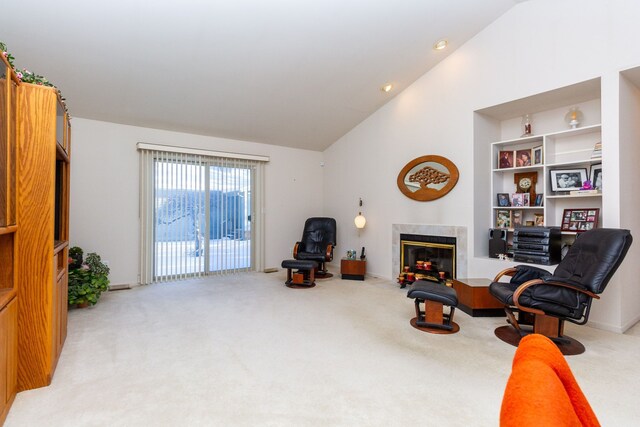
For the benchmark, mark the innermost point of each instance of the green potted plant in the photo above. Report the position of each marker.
(88, 278)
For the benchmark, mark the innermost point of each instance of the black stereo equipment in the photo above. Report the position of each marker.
(497, 242)
(537, 245)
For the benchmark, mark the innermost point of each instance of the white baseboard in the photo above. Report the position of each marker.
(631, 323)
(605, 326)
(612, 328)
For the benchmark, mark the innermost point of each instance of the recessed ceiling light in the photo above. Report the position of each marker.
(387, 87)
(440, 44)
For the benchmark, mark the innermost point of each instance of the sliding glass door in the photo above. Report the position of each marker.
(229, 217)
(202, 216)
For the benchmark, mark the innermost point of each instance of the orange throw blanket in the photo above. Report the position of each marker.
(541, 390)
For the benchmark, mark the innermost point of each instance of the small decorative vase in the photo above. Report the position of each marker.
(526, 125)
(82, 304)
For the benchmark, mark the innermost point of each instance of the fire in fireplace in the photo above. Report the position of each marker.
(427, 257)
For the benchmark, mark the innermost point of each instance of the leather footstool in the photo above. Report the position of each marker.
(304, 277)
(434, 296)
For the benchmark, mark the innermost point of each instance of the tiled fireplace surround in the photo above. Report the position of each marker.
(460, 233)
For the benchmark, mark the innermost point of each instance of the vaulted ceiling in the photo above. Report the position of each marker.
(298, 73)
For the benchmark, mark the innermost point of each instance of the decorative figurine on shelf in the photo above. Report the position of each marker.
(526, 125)
(573, 117)
(502, 257)
(587, 185)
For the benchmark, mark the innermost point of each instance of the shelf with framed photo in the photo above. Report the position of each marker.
(517, 154)
(566, 180)
(580, 220)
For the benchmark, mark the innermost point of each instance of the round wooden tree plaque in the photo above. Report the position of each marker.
(428, 178)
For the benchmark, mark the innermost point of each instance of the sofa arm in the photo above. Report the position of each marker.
(542, 390)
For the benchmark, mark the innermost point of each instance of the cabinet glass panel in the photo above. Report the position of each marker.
(13, 160)
(60, 124)
(4, 144)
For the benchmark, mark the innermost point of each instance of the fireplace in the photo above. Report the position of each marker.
(428, 256)
(440, 235)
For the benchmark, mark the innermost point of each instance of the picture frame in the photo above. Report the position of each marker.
(505, 159)
(504, 200)
(539, 200)
(516, 218)
(580, 220)
(529, 223)
(523, 158)
(538, 219)
(526, 200)
(595, 176)
(503, 219)
(536, 155)
(567, 179)
(517, 199)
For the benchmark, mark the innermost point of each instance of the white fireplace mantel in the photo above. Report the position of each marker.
(460, 233)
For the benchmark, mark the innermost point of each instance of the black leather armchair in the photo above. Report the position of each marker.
(317, 243)
(543, 301)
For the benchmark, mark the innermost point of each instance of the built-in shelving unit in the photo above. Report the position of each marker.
(573, 148)
(498, 129)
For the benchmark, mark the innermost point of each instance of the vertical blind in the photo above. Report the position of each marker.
(200, 211)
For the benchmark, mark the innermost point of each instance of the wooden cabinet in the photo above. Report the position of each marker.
(474, 298)
(43, 213)
(8, 351)
(353, 269)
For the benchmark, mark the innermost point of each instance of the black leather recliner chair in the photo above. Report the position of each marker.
(317, 243)
(543, 301)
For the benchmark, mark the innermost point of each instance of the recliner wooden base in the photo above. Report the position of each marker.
(549, 326)
(567, 345)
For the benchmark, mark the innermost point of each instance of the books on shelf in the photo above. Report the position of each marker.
(597, 151)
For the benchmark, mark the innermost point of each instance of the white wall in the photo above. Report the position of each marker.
(105, 189)
(630, 202)
(537, 46)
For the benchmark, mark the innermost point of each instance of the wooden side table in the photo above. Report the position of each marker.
(353, 269)
(475, 300)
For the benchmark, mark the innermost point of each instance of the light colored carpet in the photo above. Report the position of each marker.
(248, 351)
